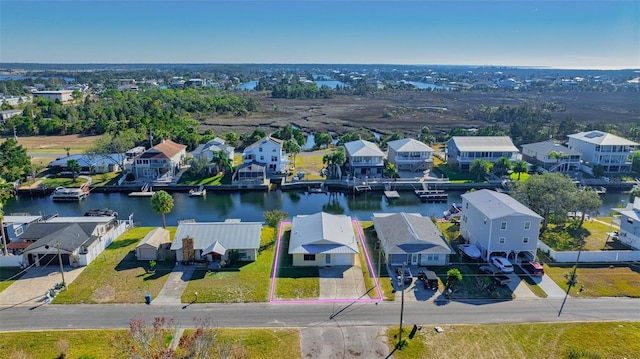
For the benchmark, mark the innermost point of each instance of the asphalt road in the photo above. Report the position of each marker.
(50, 316)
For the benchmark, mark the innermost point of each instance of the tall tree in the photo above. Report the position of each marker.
(586, 201)
(14, 162)
(546, 194)
(6, 192)
(292, 147)
(162, 203)
(520, 167)
(502, 165)
(74, 167)
(115, 144)
(479, 169)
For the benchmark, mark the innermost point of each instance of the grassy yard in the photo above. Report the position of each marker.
(54, 182)
(538, 340)
(84, 344)
(261, 343)
(620, 280)
(218, 179)
(566, 238)
(385, 282)
(310, 163)
(8, 275)
(117, 276)
(295, 282)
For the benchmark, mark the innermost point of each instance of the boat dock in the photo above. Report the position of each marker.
(145, 191)
(64, 194)
(389, 192)
(431, 194)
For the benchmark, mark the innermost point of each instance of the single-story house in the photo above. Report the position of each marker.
(322, 239)
(412, 239)
(155, 240)
(217, 241)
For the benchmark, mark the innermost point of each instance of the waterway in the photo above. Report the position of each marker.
(250, 206)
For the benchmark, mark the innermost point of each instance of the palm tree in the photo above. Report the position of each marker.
(558, 156)
(502, 165)
(480, 169)
(162, 203)
(74, 167)
(520, 167)
(222, 160)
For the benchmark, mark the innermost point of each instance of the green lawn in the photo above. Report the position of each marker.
(116, 276)
(310, 163)
(619, 280)
(53, 182)
(295, 282)
(537, 340)
(261, 343)
(84, 344)
(8, 275)
(566, 238)
(385, 282)
(220, 178)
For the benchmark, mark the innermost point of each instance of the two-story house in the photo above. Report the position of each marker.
(629, 232)
(552, 156)
(211, 151)
(499, 225)
(461, 151)
(613, 153)
(161, 162)
(364, 159)
(410, 155)
(269, 153)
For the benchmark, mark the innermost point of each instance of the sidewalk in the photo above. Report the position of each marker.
(175, 284)
(549, 286)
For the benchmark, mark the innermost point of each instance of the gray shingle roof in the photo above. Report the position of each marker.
(322, 233)
(409, 233)
(497, 205)
(70, 236)
(549, 146)
(231, 235)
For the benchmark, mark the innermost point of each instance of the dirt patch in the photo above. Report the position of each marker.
(104, 294)
(344, 342)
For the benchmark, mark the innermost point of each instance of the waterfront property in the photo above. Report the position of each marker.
(250, 173)
(13, 228)
(364, 159)
(412, 239)
(629, 233)
(211, 150)
(161, 162)
(410, 155)
(89, 164)
(269, 153)
(322, 239)
(157, 240)
(462, 151)
(613, 153)
(499, 225)
(552, 156)
(217, 241)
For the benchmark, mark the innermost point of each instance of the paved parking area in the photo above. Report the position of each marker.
(31, 288)
(172, 290)
(341, 282)
(344, 342)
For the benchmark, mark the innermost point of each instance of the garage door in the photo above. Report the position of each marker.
(343, 259)
(146, 254)
(52, 259)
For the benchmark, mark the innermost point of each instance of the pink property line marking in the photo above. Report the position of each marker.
(300, 301)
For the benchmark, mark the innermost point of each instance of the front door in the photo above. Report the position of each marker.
(327, 259)
(414, 259)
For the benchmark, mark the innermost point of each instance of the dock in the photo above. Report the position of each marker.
(391, 194)
(431, 194)
(145, 191)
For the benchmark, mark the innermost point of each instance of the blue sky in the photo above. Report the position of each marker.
(563, 34)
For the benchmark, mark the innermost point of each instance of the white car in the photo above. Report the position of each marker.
(503, 264)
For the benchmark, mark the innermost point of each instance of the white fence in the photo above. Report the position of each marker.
(10, 261)
(590, 256)
(103, 243)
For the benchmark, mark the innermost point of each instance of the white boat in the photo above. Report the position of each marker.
(70, 194)
(470, 250)
(199, 192)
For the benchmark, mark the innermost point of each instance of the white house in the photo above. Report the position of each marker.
(161, 162)
(629, 233)
(210, 150)
(62, 95)
(613, 153)
(461, 151)
(412, 239)
(542, 155)
(322, 239)
(410, 155)
(7, 114)
(217, 241)
(364, 159)
(268, 152)
(499, 225)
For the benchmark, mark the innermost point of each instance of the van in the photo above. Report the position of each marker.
(534, 268)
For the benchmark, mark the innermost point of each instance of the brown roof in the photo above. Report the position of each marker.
(18, 245)
(169, 148)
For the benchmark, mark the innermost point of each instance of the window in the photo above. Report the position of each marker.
(310, 257)
(467, 205)
(259, 149)
(502, 240)
(525, 239)
(274, 158)
(484, 221)
(261, 158)
(464, 218)
(18, 231)
(629, 220)
(527, 225)
(432, 257)
(503, 226)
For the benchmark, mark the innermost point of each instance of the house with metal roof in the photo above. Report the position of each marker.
(157, 239)
(89, 164)
(499, 225)
(217, 241)
(613, 153)
(629, 232)
(412, 239)
(462, 151)
(410, 155)
(364, 159)
(322, 239)
(552, 156)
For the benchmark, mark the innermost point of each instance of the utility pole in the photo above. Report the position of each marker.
(572, 278)
(401, 306)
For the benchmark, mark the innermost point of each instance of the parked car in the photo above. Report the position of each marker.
(534, 268)
(408, 277)
(429, 278)
(502, 264)
(495, 275)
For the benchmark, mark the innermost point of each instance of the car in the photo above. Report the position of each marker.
(495, 275)
(534, 268)
(502, 264)
(408, 277)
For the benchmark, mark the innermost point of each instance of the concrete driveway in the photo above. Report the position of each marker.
(344, 342)
(341, 282)
(31, 288)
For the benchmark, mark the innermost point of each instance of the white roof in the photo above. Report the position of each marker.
(363, 148)
(484, 143)
(409, 145)
(632, 210)
(602, 138)
(88, 219)
(497, 205)
(20, 219)
(230, 235)
(155, 238)
(322, 233)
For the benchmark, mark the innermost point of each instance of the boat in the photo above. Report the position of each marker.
(453, 211)
(469, 250)
(66, 194)
(198, 192)
(101, 212)
(145, 191)
(318, 189)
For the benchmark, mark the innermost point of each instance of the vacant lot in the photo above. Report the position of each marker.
(539, 340)
(117, 276)
(8, 275)
(602, 280)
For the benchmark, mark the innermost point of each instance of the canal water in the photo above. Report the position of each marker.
(250, 206)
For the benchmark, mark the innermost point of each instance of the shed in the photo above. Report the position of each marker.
(148, 247)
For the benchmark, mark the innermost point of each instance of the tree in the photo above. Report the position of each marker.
(291, 146)
(502, 165)
(453, 275)
(162, 203)
(14, 162)
(67, 149)
(558, 156)
(546, 194)
(74, 167)
(597, 171)
(520, 167)
(390, 170)
(480, 169)
(222, 161)
(635, 192)
(274, 217)
(118, 144)
(322, 139)
(333, 161)
(586, 201)
(6, 192)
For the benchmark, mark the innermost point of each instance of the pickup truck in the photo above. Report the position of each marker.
(495, 275)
